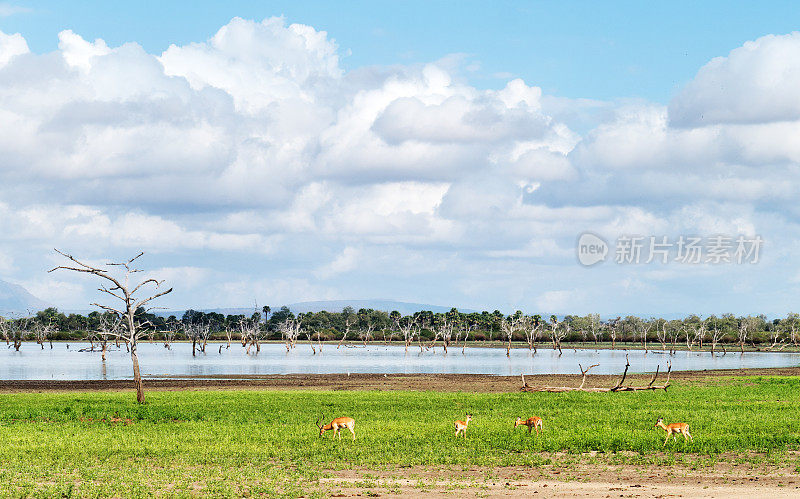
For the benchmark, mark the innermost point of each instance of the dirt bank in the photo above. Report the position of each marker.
(724, 480)
(435, 382)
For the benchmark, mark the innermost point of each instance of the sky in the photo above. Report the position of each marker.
(450, 153)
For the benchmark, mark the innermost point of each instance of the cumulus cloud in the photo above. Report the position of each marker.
(11, 46)
(754, 83)
(254, 153)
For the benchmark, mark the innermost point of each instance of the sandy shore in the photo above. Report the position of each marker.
(435, 382)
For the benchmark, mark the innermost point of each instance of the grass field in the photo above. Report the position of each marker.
(265, 442)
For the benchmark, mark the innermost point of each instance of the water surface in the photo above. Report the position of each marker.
(61, 363)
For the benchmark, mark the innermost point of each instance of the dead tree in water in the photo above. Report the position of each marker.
(444, 329)
(123, 290)
(5, 330)
(109, 327)
(508, 326)
(42, 332)
(532, 327)
(619, 387)
(348, 323)
(290, 332)
(250, 332)
(408, 328)
(17, 330)
(558, 332)
(199, 334)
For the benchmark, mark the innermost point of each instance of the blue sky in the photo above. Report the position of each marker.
(601, 50)
(437, 152)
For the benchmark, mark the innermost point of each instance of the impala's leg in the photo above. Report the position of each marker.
(666, 440)
(353, 431)
(530, 428)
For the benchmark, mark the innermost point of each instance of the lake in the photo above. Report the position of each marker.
(61, 363)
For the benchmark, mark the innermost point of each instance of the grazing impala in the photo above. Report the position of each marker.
(336, 425)
(531, 423)
(674, 428)
(461, 426)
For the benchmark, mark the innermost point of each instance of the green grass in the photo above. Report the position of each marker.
(230, 443)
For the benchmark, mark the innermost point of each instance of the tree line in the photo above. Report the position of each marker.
(424, 328)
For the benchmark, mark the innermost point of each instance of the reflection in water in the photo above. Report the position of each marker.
(61, 363)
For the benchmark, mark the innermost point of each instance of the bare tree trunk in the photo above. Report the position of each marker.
(137, 376)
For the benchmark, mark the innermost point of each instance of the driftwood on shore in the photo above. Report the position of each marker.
(619, 387)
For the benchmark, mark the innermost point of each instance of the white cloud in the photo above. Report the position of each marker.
(252, 163)
(9, 9)
(11, 46)
(754, 83)
(77, 52)
(346, 261)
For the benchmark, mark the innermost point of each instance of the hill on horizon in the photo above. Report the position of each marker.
(16, 300)
(404, 308)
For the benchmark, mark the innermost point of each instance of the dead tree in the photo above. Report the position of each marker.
(170, 332)
(746, 326)
(250, 332)
(716, 335)
(199, 334)
(17, 331)
(408, 328)
(619, 387)
(508, 326)
(467, 328)
(310, 333)
(42, 331)
(643, 327)
(698, 332)
(612, 330)
(775, 337)
(348, 323)
(532, 329)
(108, 328)
(661, 332)
(290, 331)
(559, 331)
(123, 290)
(677, 329)
(365, 332)
(596, 328)
(444, 330)
(5, 330)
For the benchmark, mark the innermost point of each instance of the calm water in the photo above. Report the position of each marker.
(59, 363)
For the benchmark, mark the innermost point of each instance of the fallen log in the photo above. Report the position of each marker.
(619, 387)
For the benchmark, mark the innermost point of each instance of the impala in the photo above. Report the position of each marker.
(336, 425)
(672, 429)
(461, 426)
(531, 423)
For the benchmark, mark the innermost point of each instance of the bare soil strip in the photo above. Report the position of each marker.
(419, 382)
(578, 480)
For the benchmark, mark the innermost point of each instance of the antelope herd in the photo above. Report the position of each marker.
(532, 423)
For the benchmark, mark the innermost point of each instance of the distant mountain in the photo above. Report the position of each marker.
(329, 306)
(16, 300)
(404, 308)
